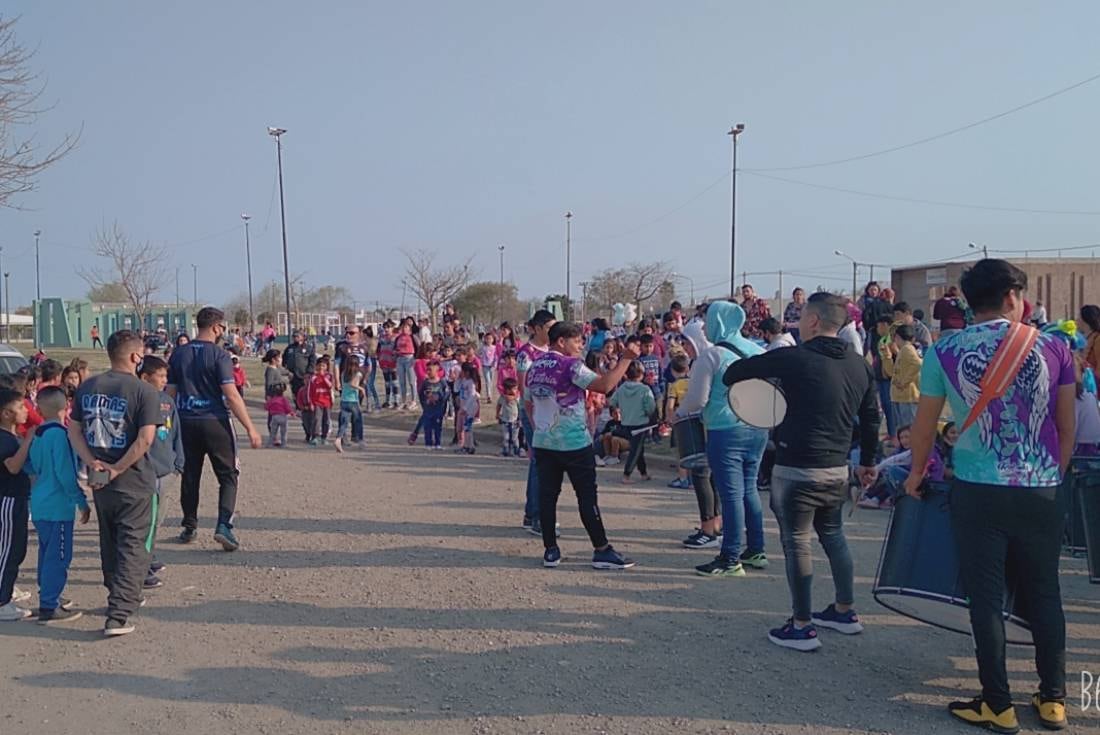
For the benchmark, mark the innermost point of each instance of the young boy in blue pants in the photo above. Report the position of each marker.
(55, 497)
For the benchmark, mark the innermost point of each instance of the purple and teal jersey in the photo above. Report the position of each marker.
(556, 384)
(1015, 440)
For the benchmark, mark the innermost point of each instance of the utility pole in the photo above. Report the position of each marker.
(277, 133)
(195, 285)
(248, 259)
(7, 305)
(501, 249)
(584, 301)
(37, 286)
(568, 252)
(734, 133)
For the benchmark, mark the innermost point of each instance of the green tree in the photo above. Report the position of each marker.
(112, 293)
(487, 303)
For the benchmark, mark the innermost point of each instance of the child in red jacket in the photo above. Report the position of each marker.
(319, 395)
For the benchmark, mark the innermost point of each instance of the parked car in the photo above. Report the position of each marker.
(11, 360)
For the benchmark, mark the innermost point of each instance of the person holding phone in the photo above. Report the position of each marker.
(113, 424)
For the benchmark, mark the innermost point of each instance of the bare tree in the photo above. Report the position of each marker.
(434, 286)
(139, 268)
(21, 159)
(635, 284)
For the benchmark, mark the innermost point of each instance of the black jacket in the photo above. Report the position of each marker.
(827, 386)
(299, 360)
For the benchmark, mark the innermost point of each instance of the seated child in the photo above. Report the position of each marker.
(613, 439)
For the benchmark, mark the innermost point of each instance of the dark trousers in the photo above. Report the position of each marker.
(580, 465)
(13, 542)
(1020, 527)
(710, 505)
(125, 539)
(636, 456)
(213, 438)
(432, 421)
(307, 422)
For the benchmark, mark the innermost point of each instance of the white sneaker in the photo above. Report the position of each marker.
(18, 595)
(600, 462)
(11, 612)
(611, 461)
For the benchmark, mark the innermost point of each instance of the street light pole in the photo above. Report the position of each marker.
(248, 258)
(277, 133)
(734, 133)
(7, 305)
(985, 250)
(195, 285)
(584, 301)
(855, 272)
(568, 253)
(404, 288)
(37, 286)
(501, 249)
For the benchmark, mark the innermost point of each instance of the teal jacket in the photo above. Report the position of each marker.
(636, 402)
(55, 494)
(724, 322)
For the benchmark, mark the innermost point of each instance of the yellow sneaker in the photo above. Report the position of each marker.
(1052, 712)
(977, 712)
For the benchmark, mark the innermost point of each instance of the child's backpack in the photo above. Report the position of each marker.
(301, 399)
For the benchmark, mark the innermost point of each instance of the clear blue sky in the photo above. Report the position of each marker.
(458, 126)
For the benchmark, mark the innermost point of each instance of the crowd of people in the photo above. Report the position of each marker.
(866, 382)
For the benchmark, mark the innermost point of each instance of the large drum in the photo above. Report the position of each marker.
(691, 442)
(757, 402)
(1083, 524)
(918, 572)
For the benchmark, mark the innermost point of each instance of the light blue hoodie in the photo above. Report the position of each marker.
(724, 322)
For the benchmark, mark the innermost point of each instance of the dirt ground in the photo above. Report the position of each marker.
(392, 591)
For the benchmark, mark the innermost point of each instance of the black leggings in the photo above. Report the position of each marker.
(580, 465)
(1018, 527)
(636, 456)
(710, 506)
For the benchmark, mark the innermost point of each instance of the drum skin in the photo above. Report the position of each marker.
(691, 442)
(918, 572)
(1083, 521)
(758, 403)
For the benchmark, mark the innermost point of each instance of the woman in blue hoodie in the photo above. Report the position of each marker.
(734, 449)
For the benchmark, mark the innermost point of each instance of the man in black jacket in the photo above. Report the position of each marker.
(299, 359)
(827, 387)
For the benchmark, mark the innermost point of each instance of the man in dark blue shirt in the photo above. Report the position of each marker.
(200, 378)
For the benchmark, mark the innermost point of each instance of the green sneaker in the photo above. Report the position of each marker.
(754, 559)
(721, 567)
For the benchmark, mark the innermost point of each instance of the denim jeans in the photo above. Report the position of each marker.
(734, 456)
(887, 406)
(372, 389)
(351, 415)
(433, 427)
(531, 507)
(800, 505)
(488, 374)
(904, 414)
(992, 525)
(406, 378)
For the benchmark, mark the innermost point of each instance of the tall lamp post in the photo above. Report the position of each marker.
(37, 286)
(568, 252)
(7, 305)
(983, 248)
(248, 260)
(501, 249)
(584, 301)
(195, 285)
(855, 272)
(734, 133)
(277, 134)
(691, 282)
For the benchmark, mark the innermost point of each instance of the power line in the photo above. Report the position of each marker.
(933, 202)
(931, 138)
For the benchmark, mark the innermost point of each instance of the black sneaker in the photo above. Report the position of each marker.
(58, 615)
(526, 523)
(156, 567)
(151, 582)
(551, 557)
(721, 567)
(187, 535)
(117, 627)
(978, 712)
(700, 540)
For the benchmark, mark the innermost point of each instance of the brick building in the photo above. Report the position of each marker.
(1062, 285)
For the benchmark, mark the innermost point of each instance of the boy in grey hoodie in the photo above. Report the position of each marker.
(166, 454)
